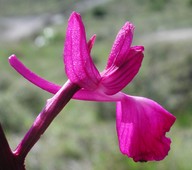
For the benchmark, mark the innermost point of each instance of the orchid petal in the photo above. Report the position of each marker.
(32, 77)
(91, 43)
(116, 78)
(79, 66)
(121, 46)
(141, 128)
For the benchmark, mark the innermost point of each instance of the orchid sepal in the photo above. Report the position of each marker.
(79, 66)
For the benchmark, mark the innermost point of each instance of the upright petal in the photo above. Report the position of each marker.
(79, 66)
(141, 128)
(91, 43)
(121, 46)
(115, 78)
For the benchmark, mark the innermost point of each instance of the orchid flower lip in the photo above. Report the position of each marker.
(141, 118)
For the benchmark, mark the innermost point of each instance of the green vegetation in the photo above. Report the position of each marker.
(35, 7)
(85, 137)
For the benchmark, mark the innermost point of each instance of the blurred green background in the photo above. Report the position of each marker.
(83, 136)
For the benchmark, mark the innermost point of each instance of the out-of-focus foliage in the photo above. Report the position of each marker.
(33, 7)
(83, 136)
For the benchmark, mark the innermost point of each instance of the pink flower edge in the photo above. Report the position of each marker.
(141, 127)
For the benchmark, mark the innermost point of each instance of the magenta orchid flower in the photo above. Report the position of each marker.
(140, 122)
